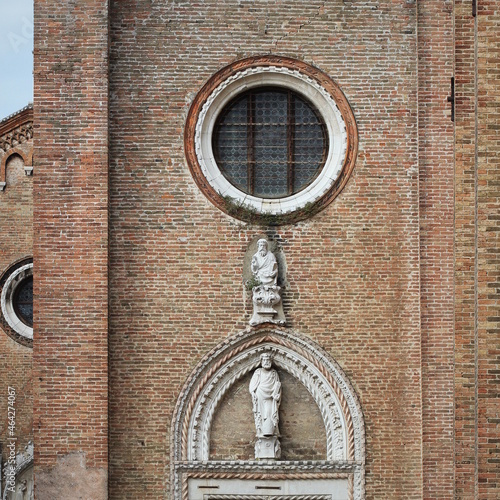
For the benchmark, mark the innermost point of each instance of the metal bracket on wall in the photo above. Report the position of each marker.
(451, 99)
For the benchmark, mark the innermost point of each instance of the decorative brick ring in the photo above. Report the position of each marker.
(262, 72)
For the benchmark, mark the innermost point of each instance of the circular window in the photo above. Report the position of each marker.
(270, 142)
(17, 301)
(270, 138)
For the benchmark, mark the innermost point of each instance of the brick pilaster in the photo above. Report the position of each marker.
(71, 248)
(488, 245)
(436, 186)
(465, 254)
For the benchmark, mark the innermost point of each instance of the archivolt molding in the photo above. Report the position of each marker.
(239, 355)
(198, 445)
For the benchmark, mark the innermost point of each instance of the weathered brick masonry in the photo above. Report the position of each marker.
(435, 70)
(477, 409)
(488, 244)
(176, 261)
(71, 249)
(396, 279)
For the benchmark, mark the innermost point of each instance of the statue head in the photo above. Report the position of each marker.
(266, 360)
(263, 246)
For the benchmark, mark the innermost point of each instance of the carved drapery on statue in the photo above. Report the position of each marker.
(265, 388)
(266, 294)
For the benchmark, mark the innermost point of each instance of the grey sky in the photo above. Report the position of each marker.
(16, 55)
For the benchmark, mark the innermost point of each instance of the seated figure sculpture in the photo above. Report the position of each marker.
(264, 266)
(266, 295)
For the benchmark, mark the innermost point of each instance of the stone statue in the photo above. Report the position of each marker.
(265, 388)
(264, 266)
(266, 294)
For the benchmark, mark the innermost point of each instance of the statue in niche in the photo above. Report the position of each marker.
(264, 266)
(265, 388)
(266, 294)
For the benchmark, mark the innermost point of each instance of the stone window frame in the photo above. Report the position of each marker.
(319, 89)
(9, 282)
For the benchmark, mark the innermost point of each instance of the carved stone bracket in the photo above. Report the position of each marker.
(267, 306)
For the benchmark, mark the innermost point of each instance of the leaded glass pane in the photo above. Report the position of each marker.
(270, 142)
(23, 301)
(270, 149)
(231, 144)
(309, 144)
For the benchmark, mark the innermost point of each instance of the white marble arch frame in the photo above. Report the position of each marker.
(238, 355)
(24, 460)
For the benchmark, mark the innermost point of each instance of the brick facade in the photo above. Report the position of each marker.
(138, 275)
(170, 248)
(16, 245)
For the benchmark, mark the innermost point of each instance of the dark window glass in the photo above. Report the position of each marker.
(270, 142)
(23, 301)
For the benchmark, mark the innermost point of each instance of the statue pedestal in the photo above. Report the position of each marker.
(267, 447)
(267, 307)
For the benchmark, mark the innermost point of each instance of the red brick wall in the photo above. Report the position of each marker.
(370, 278)
(436, 188)
(70, 246)
(477, 410)
(488, 245)
(465, 262)
(176, 261)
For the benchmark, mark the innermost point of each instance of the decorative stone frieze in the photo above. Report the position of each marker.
(16, 128)
(15, 131)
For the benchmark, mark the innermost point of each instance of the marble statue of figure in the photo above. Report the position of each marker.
(264, 266)
(265, 388)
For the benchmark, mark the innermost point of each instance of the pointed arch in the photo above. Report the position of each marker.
(237, 356)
